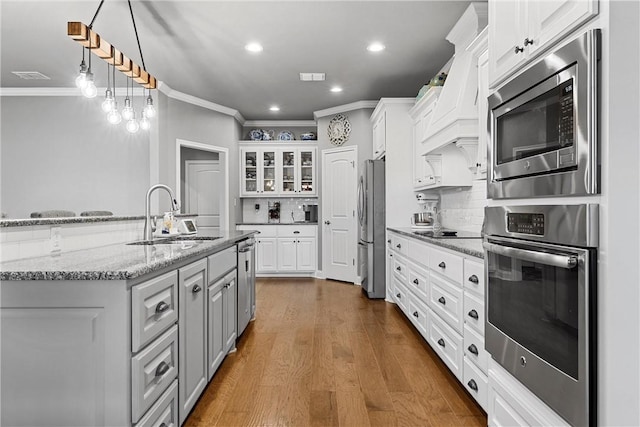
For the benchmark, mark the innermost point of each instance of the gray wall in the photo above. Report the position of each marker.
(187, 153)
(60, 153)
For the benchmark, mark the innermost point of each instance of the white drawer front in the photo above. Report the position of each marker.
(399, 244)
(447, 264)
(446, 301)
(263, 230)
(476, 383)
(297, 230)
(400, 295)
(164, 411)
(474, 312)
(154, 307)
(418, 252)
(152, 371)
(473, 278)
(447, 343)
(418, 281)
(418, 315)
(400, 268)
(220, 263)
(474, 349)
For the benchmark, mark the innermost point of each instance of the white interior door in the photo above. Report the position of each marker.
(203, 188)
(339, 237)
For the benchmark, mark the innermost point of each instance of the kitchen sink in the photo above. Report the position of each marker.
(174, 240)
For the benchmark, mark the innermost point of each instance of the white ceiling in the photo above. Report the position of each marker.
(197, 47)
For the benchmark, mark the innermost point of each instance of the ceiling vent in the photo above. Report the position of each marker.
(31, 75)
(312, 77)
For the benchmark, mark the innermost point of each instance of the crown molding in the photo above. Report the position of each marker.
(194, 100)
(359, 105)
(280, 123)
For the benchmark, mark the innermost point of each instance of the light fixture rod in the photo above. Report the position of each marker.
(96, 14)
(135, 30)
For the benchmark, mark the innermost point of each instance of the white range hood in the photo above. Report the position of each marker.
(455, 117)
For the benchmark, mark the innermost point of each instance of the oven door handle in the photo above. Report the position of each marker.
(562, 261)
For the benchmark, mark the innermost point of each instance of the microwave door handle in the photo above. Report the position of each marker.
(561, 261)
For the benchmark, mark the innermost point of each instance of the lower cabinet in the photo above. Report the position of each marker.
(297, 254)
(266, 255)
(230, 305)
(192, 281)
(165, 411)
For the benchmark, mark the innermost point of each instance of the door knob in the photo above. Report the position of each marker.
(327, 222)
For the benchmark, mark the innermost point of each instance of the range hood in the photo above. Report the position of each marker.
(455, 117)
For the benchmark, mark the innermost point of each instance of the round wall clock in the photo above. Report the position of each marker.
(339, 129)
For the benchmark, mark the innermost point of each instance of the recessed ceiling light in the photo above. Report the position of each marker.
(274, 108)
(336, 89)
(254, 47)
(375, 47)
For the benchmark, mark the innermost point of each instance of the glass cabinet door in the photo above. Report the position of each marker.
(289, 171)
(250, 173)
(269, 172)
(307, 171)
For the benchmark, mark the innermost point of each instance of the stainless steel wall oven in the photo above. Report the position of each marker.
(543, 126)
(541, 302)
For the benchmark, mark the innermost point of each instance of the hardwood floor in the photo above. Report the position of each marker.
(321, 354)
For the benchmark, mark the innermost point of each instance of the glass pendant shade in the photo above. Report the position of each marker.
(127, 111)
(114, 116)
(132, 124)
(90, 90)
(81, 80)
(149, 109)
(145, 124)
(107, 104)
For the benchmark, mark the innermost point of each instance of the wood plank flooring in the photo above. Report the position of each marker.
(321, 354)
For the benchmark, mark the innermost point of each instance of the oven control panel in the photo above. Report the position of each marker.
(526, 223)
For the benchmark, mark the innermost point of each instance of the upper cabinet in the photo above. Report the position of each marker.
(269, 170)
(421, 114)
(479, 48)
(389, 121)
(521, 29)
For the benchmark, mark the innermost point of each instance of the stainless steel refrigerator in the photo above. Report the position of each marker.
(371, 235)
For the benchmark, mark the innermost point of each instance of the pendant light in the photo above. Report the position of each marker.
(107, 104)
(81, 80)
(89, 90)
(114, 116)
(149, 109)
(145, 124)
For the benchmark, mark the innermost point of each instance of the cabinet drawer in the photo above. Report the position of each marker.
(154, 307)
(418, 314)
(400, 294)
(446, 342)
(446, 301)
(474, 312)
(263, 230)
(473, 278)
(221, 262)
(476, 383)
(400, 268)
(152, 371)
(297, 230)
(447, 264)
(399, 244)
(164, 411)
(418, 252)
(474, 349)
(418, 281)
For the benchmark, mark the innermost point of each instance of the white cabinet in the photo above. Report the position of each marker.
(478, 154)
(215, 317)
(297, 254)
(192, 332)
(274, 170)
(421, 114)
(229, 309)
(380, 135)
(520, 29)
(266, 255)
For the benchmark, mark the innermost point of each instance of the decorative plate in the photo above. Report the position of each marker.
(255, 135)
(308, 136)
(339, 129)
(286, 135)
(268, 135)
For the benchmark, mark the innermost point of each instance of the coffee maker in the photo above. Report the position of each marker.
(310, 213)
(274, 212)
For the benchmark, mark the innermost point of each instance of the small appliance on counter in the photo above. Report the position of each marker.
(425, 219)
(274, 212)
(310, 213)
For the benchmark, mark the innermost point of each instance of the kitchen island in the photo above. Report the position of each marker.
(122, 334)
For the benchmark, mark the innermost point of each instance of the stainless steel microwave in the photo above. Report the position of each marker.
(543, 126)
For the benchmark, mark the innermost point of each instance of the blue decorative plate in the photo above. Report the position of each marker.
(308, 136)
(256, 135)
(286, 135)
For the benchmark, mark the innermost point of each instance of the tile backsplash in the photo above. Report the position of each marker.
(463, 209)
(290, 209)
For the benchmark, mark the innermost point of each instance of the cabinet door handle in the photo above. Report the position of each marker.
(398, 268)
(398, 246)
(327, 222)
(442, 301)
(442, 265)
(415, 314)
(441, 343)
(474, 279)
(518, 49)
(473, 314)
(163, 425)
(416, 281)
(389, 241)
(162, 369)
(296, 232)
(528, 41)
(398, 295)
(473, 349)
(196, 289)
(472, 385)
(162, 307)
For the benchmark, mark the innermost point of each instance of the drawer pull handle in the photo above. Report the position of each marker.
(518, 49)
(398, 295)
(474, 279)
(442, 301)
(162, 369)
(441, 342)
(398, 246)
(472, 385)
(473, 314)
(473, 349)
(163, 425)
(162, 307)
(398, 268)
(196, 289)
(415, 314)
(416, 282)
(389, 241)
(442, 265)
(296, 232)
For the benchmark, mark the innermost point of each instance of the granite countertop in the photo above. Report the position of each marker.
(77, 220)
(113, 262)
(278, 223)
(471, 247)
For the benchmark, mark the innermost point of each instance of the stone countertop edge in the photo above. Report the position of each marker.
(277, 223)
(77, 220)
(472, 247)
(112, 262)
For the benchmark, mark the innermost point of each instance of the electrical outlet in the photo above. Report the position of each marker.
(55, 240)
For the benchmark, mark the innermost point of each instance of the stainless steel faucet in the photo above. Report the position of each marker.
(175, 206)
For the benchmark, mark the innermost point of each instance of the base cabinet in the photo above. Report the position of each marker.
(216, 341)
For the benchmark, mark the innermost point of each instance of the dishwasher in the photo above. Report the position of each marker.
(246, 283)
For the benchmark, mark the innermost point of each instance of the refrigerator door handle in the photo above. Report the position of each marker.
(361, 202)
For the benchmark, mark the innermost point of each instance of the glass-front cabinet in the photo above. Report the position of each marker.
(278, 171)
